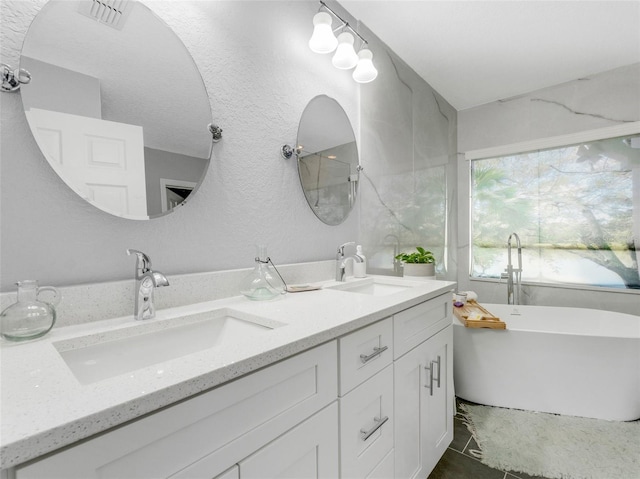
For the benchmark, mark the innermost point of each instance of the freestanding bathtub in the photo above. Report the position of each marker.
(571, 361)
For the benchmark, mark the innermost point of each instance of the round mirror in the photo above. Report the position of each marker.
(328, 160)
(117, 105)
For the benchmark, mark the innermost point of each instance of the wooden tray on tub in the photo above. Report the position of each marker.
(488, 320)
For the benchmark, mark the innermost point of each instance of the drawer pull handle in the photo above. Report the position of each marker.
(429, 368)
(429, 384)
(376, 352)
(379, 422)
(437, 361)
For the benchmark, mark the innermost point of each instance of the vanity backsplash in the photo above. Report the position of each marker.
(97, 301)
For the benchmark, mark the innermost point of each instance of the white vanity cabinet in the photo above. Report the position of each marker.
(204, 436)
(376, 403)
(309, 451)
(366, 400)
(404, 398)
(424, 400)
(366, 425)
(413, 326)
(363, 353)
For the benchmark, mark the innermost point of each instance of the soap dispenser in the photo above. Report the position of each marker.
(360, 268)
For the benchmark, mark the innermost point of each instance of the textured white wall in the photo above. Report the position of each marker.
(598, 101)
(259, 74)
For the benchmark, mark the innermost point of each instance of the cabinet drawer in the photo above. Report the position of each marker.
(385, 469)
(366, 411)
(309, 451)
(414, 325)
(233, 473)
(213, 430)
(365, 352)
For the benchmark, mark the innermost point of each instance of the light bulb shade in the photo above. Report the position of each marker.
(365, 72)
(323, 40)
(345, 57)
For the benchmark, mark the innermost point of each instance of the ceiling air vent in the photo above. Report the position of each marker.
(108, 12)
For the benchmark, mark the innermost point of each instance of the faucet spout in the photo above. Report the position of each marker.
(159, 279)
(147, 281)
(341, 261)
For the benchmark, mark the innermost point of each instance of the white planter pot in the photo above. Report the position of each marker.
(419, 269)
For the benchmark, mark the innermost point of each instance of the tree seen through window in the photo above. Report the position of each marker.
(573, 208)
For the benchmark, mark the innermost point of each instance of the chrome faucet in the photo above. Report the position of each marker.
(147, 281)
(513, 275)
(341, 261)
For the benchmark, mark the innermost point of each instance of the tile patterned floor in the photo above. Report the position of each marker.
(457, 463)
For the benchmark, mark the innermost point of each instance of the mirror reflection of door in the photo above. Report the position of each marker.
(106, 82)
(103, 160)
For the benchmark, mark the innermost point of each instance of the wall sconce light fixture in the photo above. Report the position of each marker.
(365, 71)
(345, 57)
(323, 40)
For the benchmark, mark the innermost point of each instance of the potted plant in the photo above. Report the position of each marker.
(418, 263)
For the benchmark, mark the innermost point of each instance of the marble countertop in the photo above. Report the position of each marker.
(44, 407)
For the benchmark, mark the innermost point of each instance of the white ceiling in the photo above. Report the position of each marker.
(477, 51)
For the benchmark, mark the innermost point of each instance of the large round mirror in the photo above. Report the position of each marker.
(328, 160)
(117, 105)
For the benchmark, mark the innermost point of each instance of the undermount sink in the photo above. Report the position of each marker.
(374, 286)
(100, 356)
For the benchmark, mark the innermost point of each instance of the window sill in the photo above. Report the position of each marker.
(581, 287)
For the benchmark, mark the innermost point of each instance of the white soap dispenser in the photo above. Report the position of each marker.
(360, 268)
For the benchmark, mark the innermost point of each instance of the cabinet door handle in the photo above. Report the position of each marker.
(378, 424)
(429, 384)
(437, 361)
(376, 352)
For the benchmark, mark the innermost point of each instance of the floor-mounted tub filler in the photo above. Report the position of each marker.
(571, 361)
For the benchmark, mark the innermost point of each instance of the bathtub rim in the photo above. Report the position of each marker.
(631, 335)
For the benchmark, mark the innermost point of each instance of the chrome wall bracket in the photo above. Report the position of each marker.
(12, 79)
(287, 152)
(216, 132)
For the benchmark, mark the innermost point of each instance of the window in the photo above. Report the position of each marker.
(575, 208)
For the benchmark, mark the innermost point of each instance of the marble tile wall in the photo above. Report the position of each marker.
(408, 153)
(602, 100)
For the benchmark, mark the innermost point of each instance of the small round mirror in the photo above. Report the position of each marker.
(328, 160)
(116, 105)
